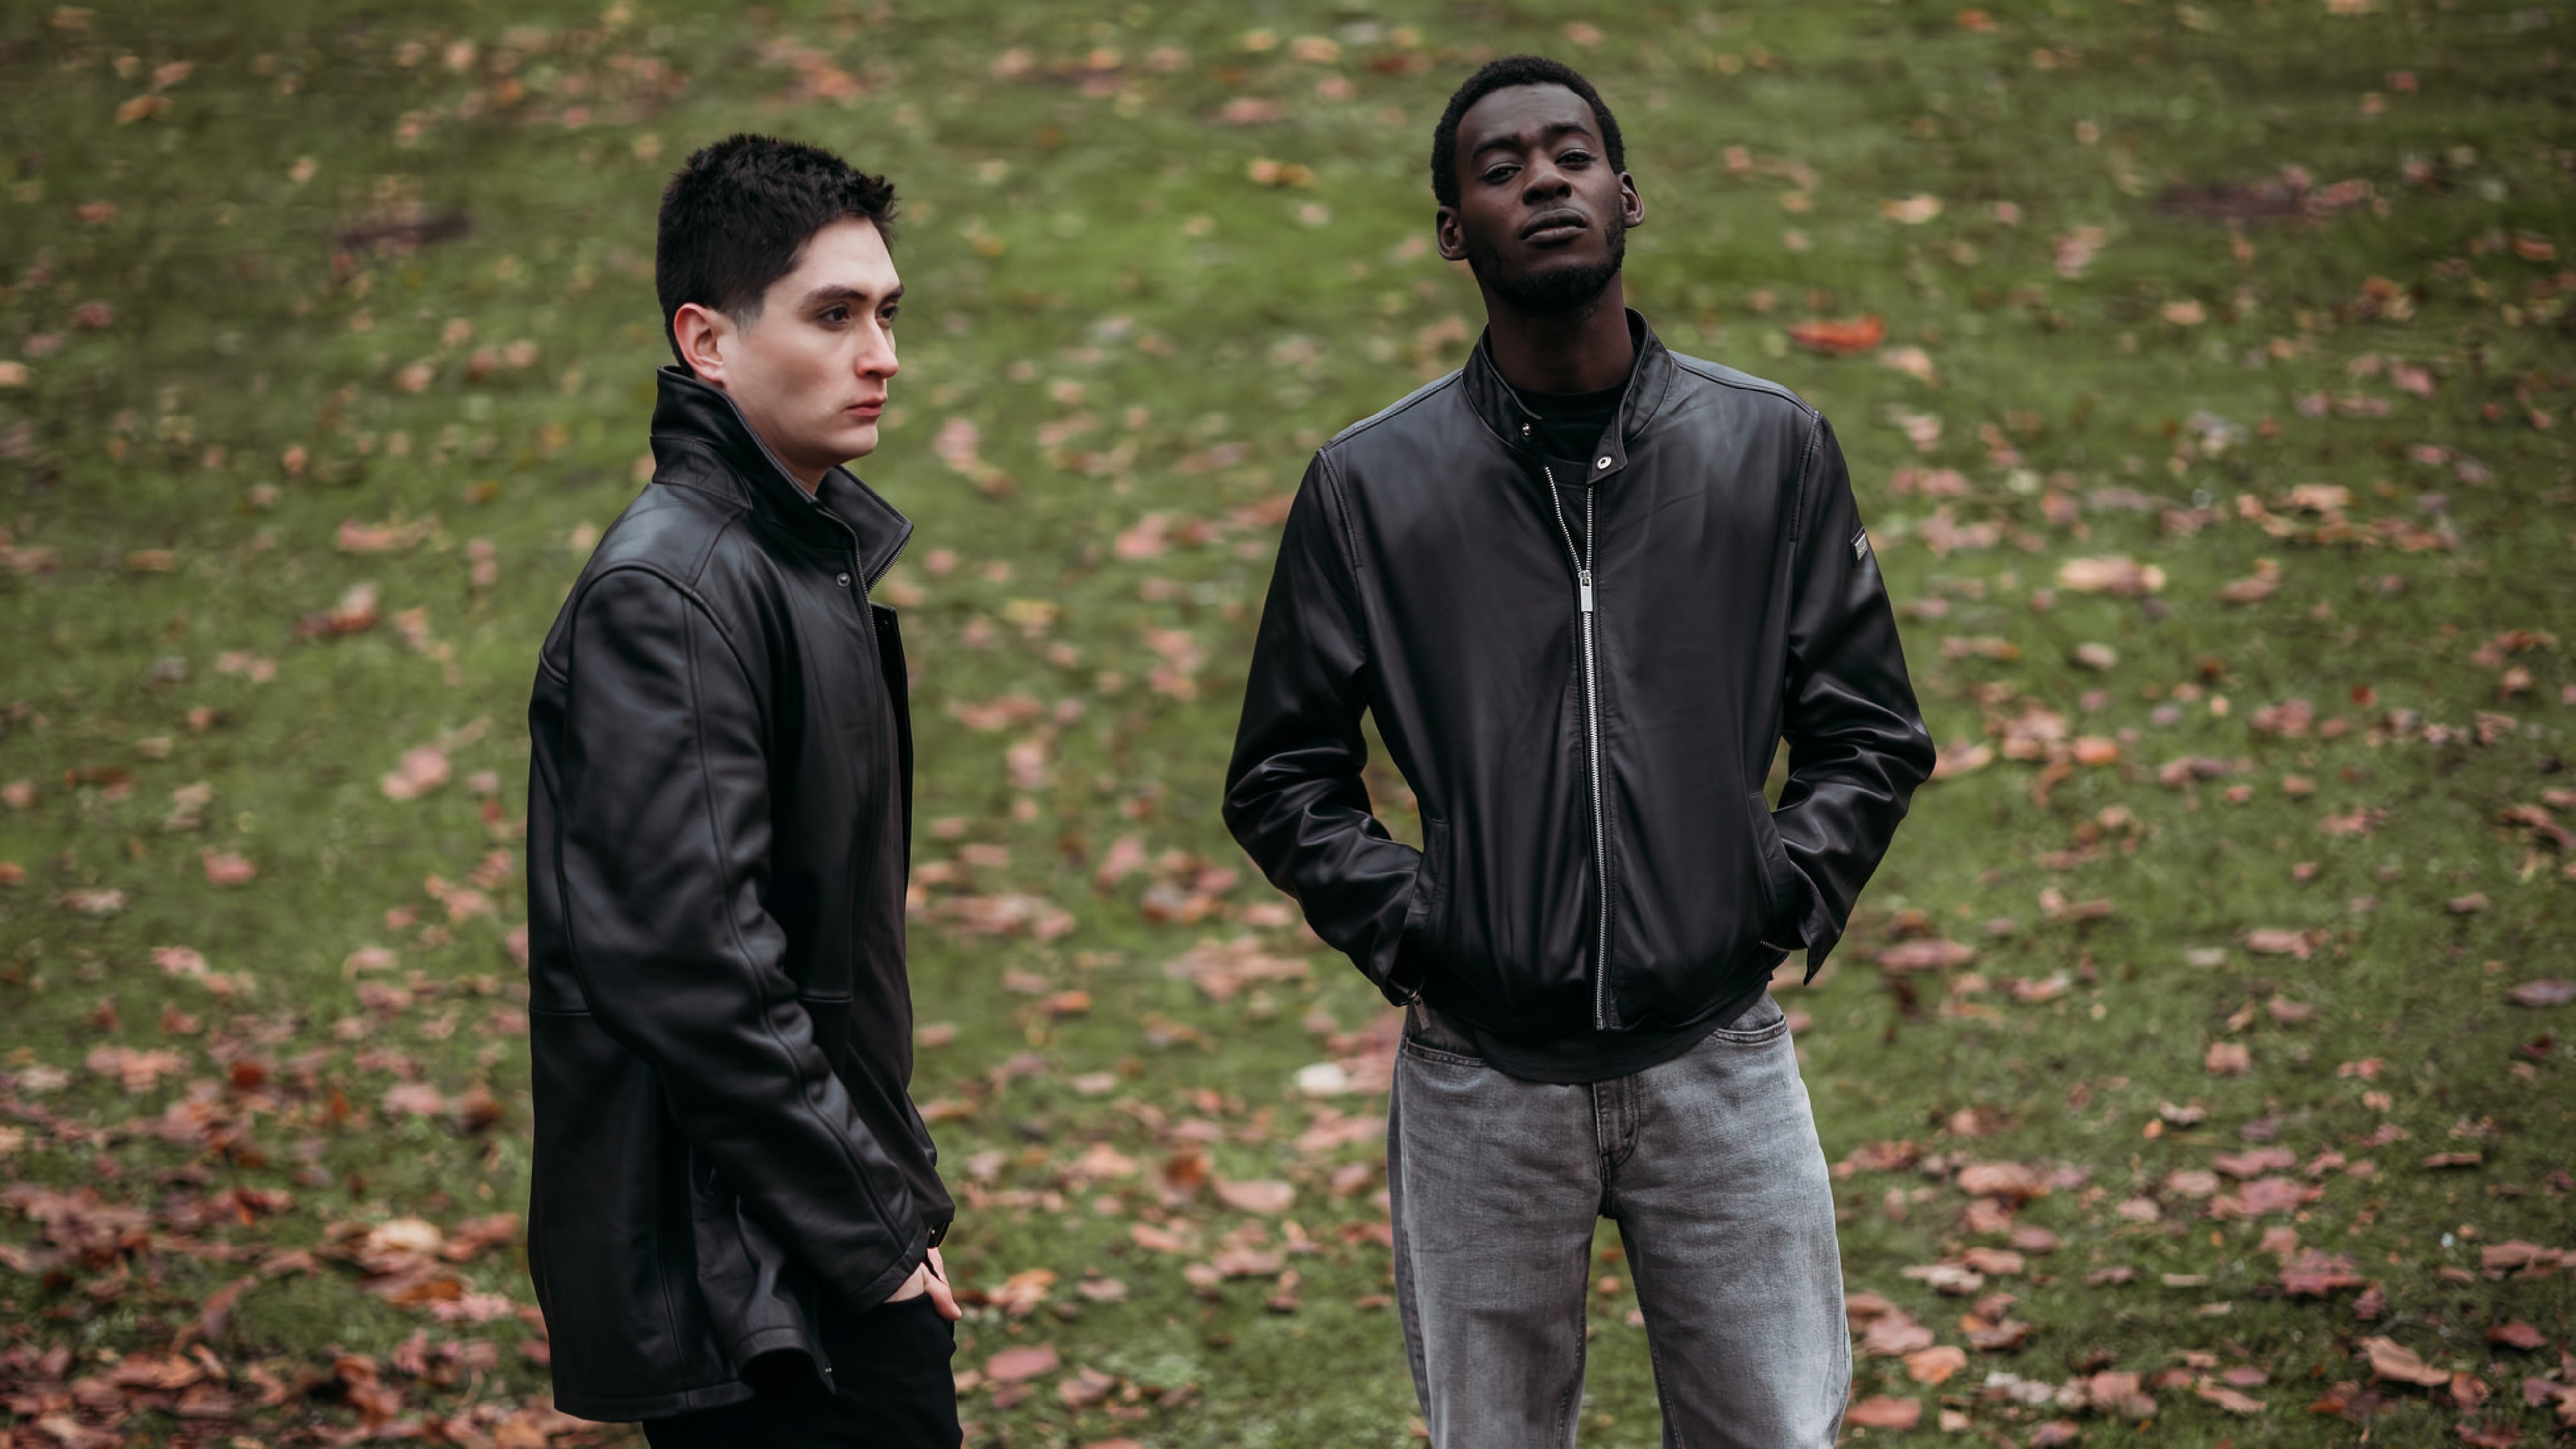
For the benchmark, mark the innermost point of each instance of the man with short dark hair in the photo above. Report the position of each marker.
(736, 1209)
(1586, 586)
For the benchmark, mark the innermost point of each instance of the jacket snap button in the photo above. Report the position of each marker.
(1600, 462)
(845, 581)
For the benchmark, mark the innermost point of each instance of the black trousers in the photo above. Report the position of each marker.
(891, 1389)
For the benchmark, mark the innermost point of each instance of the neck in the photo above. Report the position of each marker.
(1587, 349)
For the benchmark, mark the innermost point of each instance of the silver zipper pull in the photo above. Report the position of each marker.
(1583, 581)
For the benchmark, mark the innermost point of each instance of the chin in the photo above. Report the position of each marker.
(855, 442)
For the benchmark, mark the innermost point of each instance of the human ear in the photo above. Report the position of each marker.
(1632, 207)
(1448, 234)
(704, 335)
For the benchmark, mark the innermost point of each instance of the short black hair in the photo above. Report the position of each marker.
(1495, 75)
(736, 215)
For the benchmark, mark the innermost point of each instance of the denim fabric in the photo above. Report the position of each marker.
(1711, 1167)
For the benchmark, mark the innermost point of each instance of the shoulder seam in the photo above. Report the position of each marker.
(688, 593)
(1392, 410)
(1696, 368)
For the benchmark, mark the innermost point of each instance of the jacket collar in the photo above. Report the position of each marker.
(694, 423)
(1501, 410)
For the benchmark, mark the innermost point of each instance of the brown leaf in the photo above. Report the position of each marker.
(2116, 574)
(2555, 992)
(2516, 1334)
(2391, 1360)
(1925, 955)
(1935, 1365)
(1027, 1361)
(2314, 1274)
(1894, 1334)
(1084, 1387)
(2000, 1338)
(1839, 337)
(1879, 1412)
(1269, 1195)
(2229, 1399)
(1246, 1262)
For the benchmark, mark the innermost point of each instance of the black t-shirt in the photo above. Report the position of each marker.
(1571, 423)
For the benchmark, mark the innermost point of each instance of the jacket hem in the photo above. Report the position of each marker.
(1756, 964)
(628, 1409)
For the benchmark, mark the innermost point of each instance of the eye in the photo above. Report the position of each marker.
(1575, 157)
(836, 315)
(1495, 175)
(886, 318)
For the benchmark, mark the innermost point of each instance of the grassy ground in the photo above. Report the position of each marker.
(326, 338)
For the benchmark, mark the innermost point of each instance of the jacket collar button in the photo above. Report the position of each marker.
(844, 581)
(1600, 462)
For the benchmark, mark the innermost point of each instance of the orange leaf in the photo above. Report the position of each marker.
(1839, 336)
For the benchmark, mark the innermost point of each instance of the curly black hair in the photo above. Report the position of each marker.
(736, 215)
(1495, 75)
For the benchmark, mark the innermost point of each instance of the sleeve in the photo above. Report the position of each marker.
(1857, 746)
(665, 854)
(1293, 794)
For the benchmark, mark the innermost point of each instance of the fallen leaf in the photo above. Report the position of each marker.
(2391, 1360)
(1012, 1365)
(1879, 1412)
(2229, 1399)
(2516, 1334)
(1840, 338)
(1935, 1365)
(1267, 1196)
(2114, 574)
(1925, 955)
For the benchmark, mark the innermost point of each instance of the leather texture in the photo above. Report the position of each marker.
(1423, 577)
(719, 824)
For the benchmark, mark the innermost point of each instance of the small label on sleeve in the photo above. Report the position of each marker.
(1860, 546)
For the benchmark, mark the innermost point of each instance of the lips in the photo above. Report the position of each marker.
(1554, 226)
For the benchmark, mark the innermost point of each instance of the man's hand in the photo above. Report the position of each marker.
(931, 1278)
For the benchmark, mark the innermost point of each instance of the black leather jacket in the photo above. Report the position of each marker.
(1573, 746)
(719, 823)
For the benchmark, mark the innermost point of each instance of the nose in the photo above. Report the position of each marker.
(876, 357)
(1543, 182)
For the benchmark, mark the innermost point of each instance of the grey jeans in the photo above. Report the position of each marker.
(1711, 1167)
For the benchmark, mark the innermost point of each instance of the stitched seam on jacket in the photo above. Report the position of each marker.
(1391, 411)
(1703, 370)
(1806, 467)
(1346, 582)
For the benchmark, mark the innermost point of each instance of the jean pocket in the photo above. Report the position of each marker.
(1764, 1024)
(1414, 1047)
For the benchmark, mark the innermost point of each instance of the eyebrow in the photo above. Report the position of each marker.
(826, 295)
(1561, 128)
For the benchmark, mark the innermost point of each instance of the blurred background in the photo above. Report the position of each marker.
(2196, 1072)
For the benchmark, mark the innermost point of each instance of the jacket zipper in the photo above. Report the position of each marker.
(1591, 738)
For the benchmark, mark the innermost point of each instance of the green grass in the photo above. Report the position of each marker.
(1135, 326)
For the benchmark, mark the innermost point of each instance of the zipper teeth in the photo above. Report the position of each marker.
(1591, 742)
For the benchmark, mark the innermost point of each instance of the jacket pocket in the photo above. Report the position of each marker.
(1430, 889)
(1771, 863)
